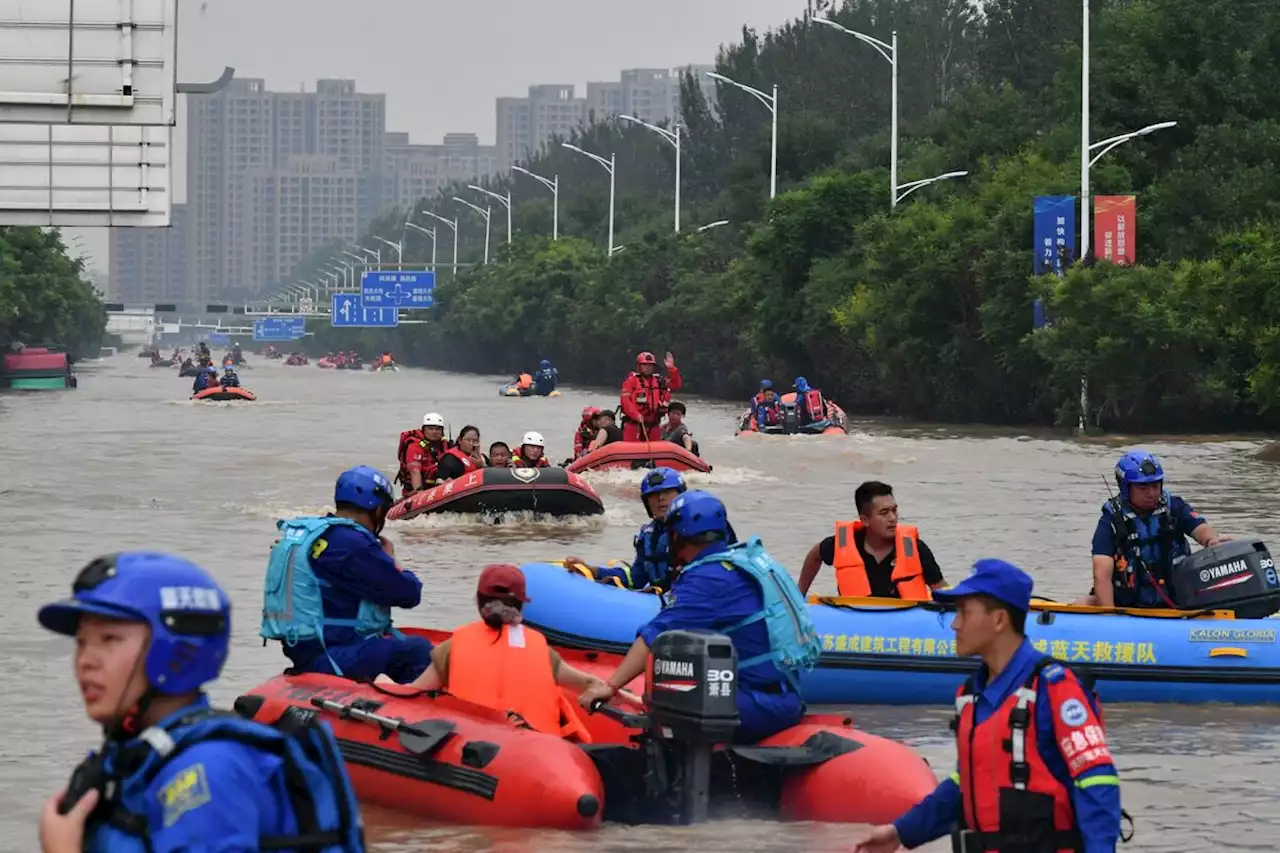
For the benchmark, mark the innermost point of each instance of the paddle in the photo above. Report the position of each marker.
(422, 739)
(631, 721)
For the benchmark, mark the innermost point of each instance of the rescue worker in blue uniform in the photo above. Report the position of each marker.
(1034, 771)
(173, 774)
(230, 379)
(651, 567)
(736, 589)
(331, 583)
(1142, 532)
(766, 406)
(204, 379)
(544, 381)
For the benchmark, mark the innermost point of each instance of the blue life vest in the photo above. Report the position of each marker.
(653, 560)
(326, 816)
(292, 605)
(1146, 548)
(794, 645)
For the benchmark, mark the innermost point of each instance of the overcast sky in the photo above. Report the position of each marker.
(485, 50)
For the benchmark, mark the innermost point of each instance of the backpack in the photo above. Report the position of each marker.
(794, 644)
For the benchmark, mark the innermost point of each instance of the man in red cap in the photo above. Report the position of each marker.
(500, 663)
(645, 396)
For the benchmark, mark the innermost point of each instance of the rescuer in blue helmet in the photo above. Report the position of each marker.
(651, 567)
(545, 379)
(151, 630)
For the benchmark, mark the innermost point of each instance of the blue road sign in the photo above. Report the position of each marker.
(349, 310)
(220, 339)
(279, 328)
(398, 288)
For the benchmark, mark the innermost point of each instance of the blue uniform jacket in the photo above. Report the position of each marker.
(355, 568)
(544, 381)
(1096, 803)
(1185, 521)
(650, 566)
(215, 797)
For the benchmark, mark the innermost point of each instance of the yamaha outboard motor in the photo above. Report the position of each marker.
(1237, 575)
(692, 696)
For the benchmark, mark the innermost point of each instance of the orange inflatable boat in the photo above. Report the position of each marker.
(220, 394)
(639, 454)
(835, 423)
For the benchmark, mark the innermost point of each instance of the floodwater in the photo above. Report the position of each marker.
(126, 461)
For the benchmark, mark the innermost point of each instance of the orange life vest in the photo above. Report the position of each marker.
(511, 672)
(467, 462)
(1004, 781)
(517, 462)
(814, 404)
(908, 571)
(526, 380)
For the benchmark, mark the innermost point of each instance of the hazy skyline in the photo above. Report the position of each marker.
(485, 52)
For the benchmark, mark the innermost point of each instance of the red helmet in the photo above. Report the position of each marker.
(590, 412)
(645, 358)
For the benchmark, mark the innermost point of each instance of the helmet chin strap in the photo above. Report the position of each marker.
(125, 724)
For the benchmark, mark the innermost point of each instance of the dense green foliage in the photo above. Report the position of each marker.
(924, 311)
(44, 298)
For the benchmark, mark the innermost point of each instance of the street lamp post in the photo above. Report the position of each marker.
(554, 186)
(397, 246)
(715, 224)
(890, 53)
(361, 259)
(452, 223)
(672, 136)
(377, 253)
(430, 232)
(1105, 145)
(911, 186)
(610, 166)
(770, 101)
(506, 202)
(487, 213)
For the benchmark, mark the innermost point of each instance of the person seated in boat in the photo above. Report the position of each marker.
(151, 631)
(587, 431)
(1034, 770)
(331, 583)
(676, 430)
(202, 349)
(229, 377)
(811, 406)
(532, 452)
(606, 432)
(206, 378)
(1142, 531)
(237, 354)
(386, 360)
(738, 590)
(645, 396)
(499, 455)
(498, 662)
(651, 567)
(544, 381)
(155, 357)
(420, 452)
(187, 364)
(875, 555)
(463, 458)
(524, 381)
(766, 407)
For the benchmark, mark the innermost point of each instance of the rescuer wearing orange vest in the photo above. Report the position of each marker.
(1034, 769)
(500, 663)
(875, 555)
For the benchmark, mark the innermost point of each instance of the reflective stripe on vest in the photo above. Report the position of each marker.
(851, 569)
(511, 672)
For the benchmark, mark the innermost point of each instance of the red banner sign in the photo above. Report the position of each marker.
(1115, 218)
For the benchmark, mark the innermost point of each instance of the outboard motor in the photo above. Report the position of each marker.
(1237, 575)
(692, 695)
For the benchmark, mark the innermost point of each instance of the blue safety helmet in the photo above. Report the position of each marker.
(698, 512)
(188, 613)
(544, 364)
(1137, 467)
(211, 369)
(766, 384)
(364, 487)
(801, 384)
(660, 480)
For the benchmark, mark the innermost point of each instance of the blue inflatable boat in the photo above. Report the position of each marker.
(888, 652)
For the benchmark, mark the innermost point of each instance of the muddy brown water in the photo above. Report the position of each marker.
(126, 461)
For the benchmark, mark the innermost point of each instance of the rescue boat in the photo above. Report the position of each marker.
(639, 454)
(836, 422)
(882, 651)
(164, 362)
(220, 394)
(552, 491)
(385, 368)
(296, 359)
(327, 363)
(513, 389)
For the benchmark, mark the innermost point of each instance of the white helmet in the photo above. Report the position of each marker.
(432, 419)
(534, 439)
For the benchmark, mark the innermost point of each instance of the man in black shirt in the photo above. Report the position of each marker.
(875, 556)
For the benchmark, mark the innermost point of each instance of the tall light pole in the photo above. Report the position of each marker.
(361, 259)
(890, 53)
(377, 253)
(506, 202)
(487, 213)
(911, 186)
(672, 136)
(554, 186)
(452, 223)
(770, 101)
(1105, 145)
(610, 166)
(710, 225)
(397, 246)
(430, 232)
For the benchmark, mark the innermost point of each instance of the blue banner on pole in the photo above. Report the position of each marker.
(1055, 233)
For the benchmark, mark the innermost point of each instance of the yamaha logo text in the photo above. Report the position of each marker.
(1222, 571)
(678, 668)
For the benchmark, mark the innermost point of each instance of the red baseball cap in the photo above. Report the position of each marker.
(502, 580)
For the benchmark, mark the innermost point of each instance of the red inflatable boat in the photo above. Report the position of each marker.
(639, 454)
(219, 394)
(553, 491)
(836, 422)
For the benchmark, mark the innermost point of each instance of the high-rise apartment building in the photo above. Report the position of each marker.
(413, 172)
(649, 94)
(524, 125)
(254, 156)
(149, 264)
